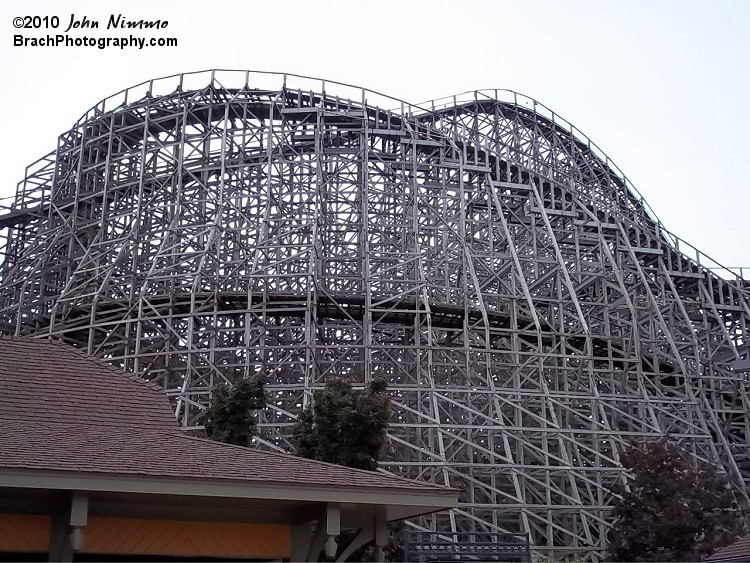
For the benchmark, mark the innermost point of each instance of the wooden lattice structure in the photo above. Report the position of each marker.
(530, 312)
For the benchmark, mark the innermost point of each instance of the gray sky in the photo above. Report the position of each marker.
(658, 85)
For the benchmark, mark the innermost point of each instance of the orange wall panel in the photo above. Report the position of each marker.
(24, 532)
(180, 538)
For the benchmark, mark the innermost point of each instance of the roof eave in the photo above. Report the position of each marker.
(429, 500)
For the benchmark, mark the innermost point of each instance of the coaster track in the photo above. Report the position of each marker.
(530, 312)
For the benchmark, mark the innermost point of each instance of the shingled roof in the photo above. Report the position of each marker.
(63, 410)
(738, 552)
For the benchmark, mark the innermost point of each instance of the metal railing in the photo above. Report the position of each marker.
(227, 79)
(424, 547)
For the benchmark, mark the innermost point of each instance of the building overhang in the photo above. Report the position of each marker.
(151, 491)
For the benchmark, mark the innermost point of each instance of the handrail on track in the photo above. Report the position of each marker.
(520, 100)
(274, 81)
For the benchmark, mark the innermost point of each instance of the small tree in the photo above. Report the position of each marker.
(231, 416)
(345, 427)
(677, 509)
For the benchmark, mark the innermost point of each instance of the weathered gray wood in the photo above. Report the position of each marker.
(530, 313)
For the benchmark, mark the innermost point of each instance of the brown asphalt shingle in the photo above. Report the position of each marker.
(63, 410)
(737, 552)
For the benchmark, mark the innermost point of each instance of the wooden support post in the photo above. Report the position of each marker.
(67, 532)
(333, 528)
(380, 525)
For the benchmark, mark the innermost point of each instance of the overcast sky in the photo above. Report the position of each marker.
(660, 86)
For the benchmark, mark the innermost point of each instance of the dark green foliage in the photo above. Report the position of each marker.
(678, 509)
(345, 427)
(230, 418)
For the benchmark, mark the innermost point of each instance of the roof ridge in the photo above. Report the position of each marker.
(121, 372)
(59, 343)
